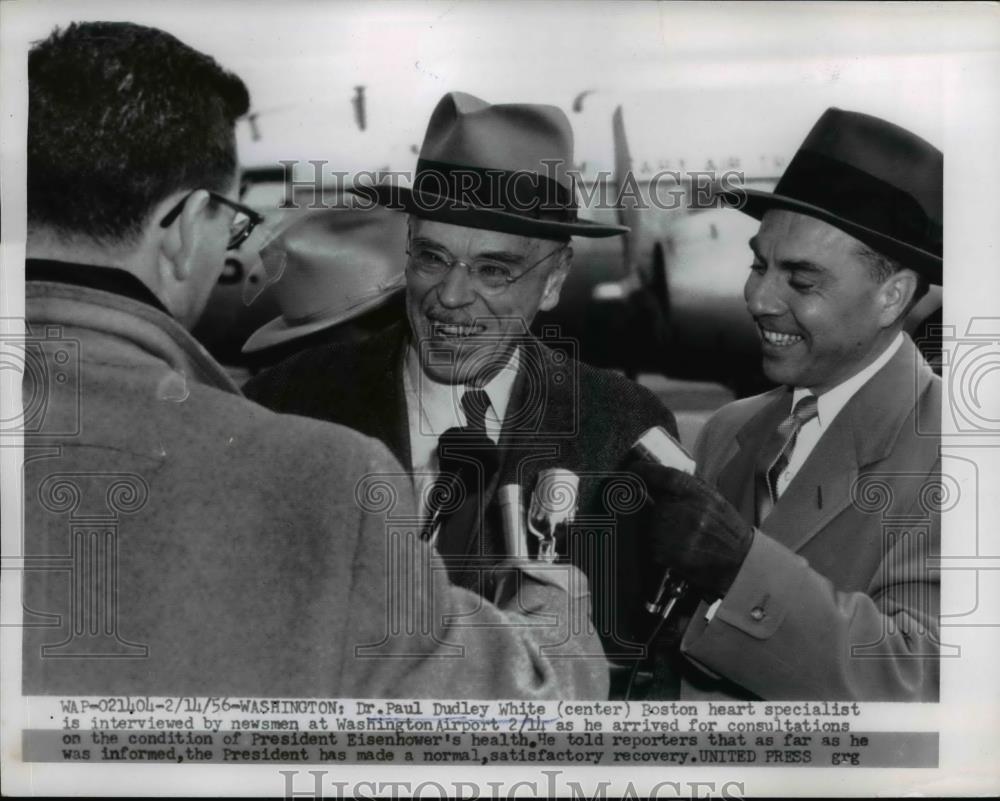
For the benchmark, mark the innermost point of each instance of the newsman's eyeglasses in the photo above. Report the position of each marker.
(244, 221)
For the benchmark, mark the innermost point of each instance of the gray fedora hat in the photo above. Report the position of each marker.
(500, 167)
(339, 263)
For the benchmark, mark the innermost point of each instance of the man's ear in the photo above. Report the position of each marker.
(895, 295)
(181, 238)
(555, 279)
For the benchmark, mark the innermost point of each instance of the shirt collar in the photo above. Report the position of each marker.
(829, 404)
(434, 395)
(501, 385)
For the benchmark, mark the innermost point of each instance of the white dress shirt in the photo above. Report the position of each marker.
(828, 406)
(432, 408)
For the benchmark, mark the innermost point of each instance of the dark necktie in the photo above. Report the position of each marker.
(777, 452)
(470, 455)
(475, 404)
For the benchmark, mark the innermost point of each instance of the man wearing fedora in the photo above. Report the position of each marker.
(178, 538)
(462, 388)
(809, 538)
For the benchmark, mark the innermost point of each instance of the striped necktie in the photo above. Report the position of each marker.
(781, 445)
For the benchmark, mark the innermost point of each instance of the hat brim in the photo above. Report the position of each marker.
(756, 204)
(439, 208)
(279, 331)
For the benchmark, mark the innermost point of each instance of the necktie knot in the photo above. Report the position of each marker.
(805, 410)
(777, 453)
(475, 403)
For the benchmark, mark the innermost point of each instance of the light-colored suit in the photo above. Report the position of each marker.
(835, 599)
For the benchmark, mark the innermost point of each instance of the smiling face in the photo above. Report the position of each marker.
(462, 332)
(821, 315)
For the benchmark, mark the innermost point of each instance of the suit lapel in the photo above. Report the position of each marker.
(536, 415)
(736, 480)
(398, 422)
(820, 490)
(384, 399)
(863, 433)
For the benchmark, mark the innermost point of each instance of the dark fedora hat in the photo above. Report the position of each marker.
(874, 180)
(500, 167)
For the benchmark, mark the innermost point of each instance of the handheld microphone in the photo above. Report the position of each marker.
(512, 518)
(658, 447)
(443, 497)
(553, 508)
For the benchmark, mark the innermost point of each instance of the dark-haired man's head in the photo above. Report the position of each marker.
(124, 123)
(848, 242)
(825, 303)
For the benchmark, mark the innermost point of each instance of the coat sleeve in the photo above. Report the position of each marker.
(414, 634)
(797, 636)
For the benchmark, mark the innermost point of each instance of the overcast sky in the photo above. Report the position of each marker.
(700, 81)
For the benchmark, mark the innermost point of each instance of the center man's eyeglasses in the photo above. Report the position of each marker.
(490, 276)
(244, 221)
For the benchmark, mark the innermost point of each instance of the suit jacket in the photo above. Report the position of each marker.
(182, 540)
(562, 413)
(835, 599)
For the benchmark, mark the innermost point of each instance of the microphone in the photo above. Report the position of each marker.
(512, 517)
(443, 497)
(658, 447)
(553, 508)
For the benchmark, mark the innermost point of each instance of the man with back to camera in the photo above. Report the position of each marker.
(240, 553)
(805, 590)
(491, 214)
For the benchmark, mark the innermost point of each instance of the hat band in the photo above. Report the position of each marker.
(438, 185)
(859, 197)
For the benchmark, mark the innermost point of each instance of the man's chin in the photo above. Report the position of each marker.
(780, 371)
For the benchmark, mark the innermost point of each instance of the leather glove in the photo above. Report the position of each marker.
(459, 451)
(693, 530)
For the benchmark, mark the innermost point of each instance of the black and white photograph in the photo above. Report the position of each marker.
(500, 399)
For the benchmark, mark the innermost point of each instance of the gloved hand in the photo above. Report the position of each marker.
(693, 530)
(471, 455)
